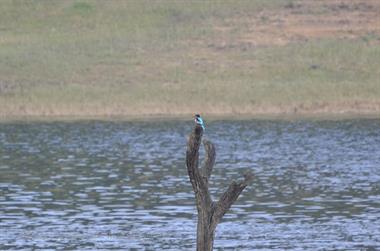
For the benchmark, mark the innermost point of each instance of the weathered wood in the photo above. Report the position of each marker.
(209, 161)
(209, 213)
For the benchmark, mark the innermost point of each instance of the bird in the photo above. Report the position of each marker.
(198, 120)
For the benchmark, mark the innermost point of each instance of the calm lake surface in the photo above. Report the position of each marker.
(123, 185)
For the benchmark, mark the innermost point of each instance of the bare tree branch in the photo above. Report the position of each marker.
(209, 161)
(200, 185)
(228, 198)
(209, 212)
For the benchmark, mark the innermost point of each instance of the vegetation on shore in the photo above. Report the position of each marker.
(102, 58)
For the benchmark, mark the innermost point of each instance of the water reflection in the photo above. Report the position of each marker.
(123, 185)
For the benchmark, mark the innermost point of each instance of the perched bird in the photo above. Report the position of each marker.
(198, 119)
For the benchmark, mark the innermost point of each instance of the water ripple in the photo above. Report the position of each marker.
(117, 185)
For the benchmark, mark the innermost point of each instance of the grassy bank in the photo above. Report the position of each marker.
(96, 58)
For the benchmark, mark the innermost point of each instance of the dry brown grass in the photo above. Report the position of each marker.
(96, 58)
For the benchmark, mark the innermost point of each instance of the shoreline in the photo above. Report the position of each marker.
(331, 116)
(244, 60)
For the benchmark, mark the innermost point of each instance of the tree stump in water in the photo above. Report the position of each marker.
(209, 212)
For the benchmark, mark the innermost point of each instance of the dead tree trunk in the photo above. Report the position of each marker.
(209, 212)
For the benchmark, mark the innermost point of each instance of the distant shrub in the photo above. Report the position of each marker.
(81, 8)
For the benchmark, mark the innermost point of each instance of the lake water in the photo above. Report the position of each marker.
(123, 185)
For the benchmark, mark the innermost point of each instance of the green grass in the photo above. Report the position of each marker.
(162, 57)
